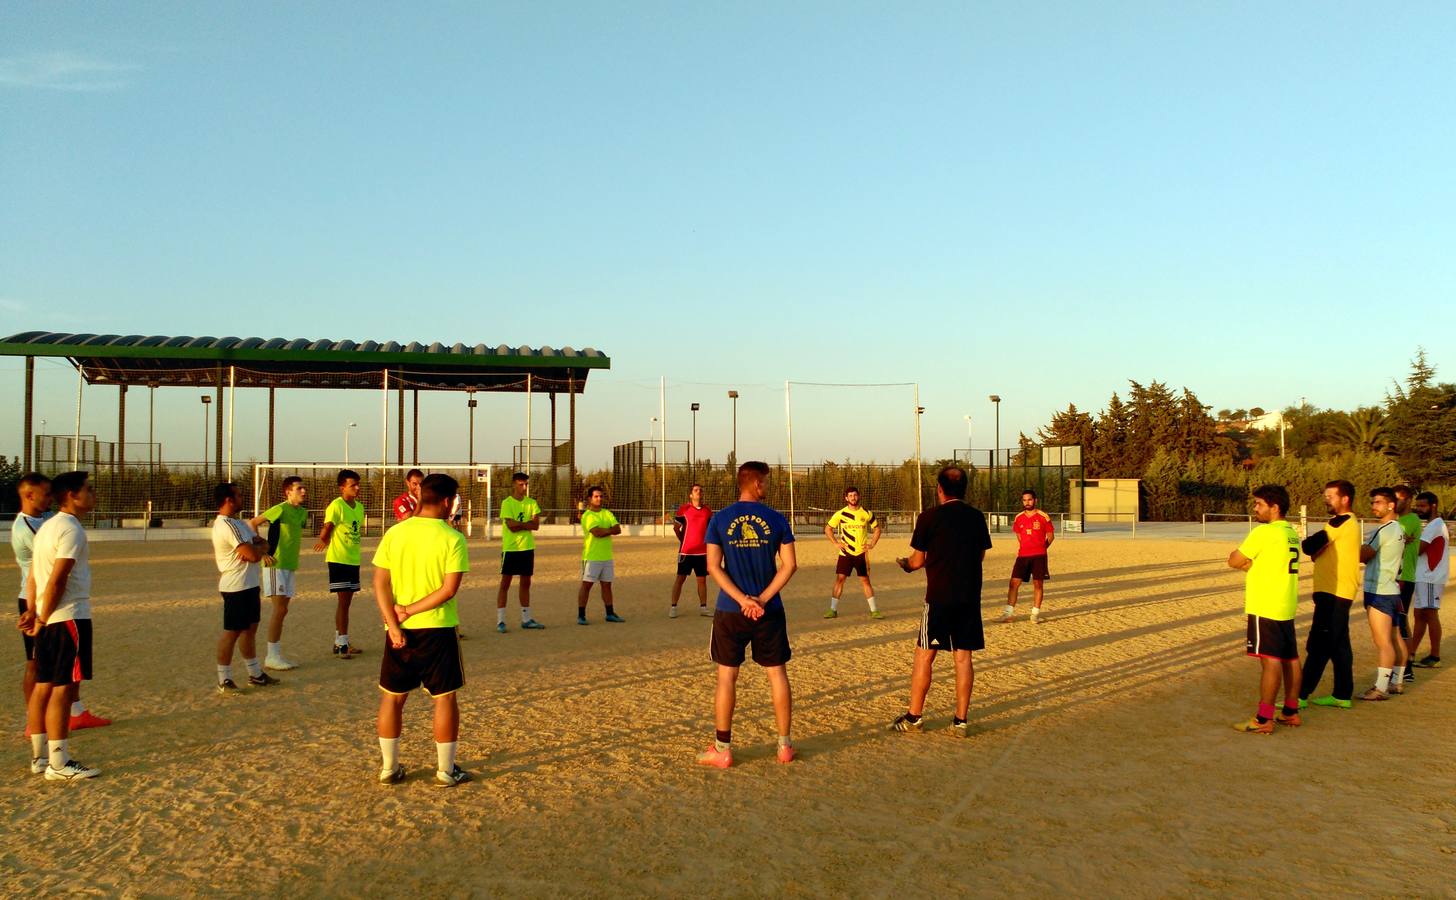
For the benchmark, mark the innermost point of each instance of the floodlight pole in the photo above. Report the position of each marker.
(207, 405)
(662, 460)
(526, 463)
(470, 406)
(693, 445)
(995, 399)
(232, 415)
(346, 441)
(76, 445)
(733, 395)
(919, 475)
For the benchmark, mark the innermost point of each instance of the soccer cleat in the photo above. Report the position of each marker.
(960, 729)
(1293, 721)
(1254, 726)
(1396, 688)
(279, 664)
(906, 725)
(613, 617)
(1303, 703)
(1375, 694)
(718, 759)
(1429, 662)
(228, 687)
(75, 770)
(451, 778)
(832, 614)
(500, 627)
(1005, 617)
(876, 614)
(581, 620)
(705, 611)
(392, 776)
(672, 612)
(262, 679)
(346, 651)
(38, 765)
(1332, 700)
(532, 625)
(88, 719)
(786, 753)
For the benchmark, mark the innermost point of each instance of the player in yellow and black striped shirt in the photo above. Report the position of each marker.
(855, 531)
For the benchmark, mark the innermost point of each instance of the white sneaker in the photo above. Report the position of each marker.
(279, 664)
(1005, 617)
(74, 770)
(38, 765)
(672, 612)
(705, 611)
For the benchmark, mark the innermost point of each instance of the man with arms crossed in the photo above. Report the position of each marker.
(1034, 534)
(950, 544)
(417, 571)
(237, 552)
(1335, 550)
(1381, 553)
(60, 623)
(1410, 527)
(520, 518)
(597, 527)
(691, 527)
(1432, 569)
(744, 540)
(343, 523)
(34, 490)
(406, 504)
(1270, 554)
(855, 531)
(286, 522)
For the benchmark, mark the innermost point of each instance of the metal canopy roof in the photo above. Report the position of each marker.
(303, 363)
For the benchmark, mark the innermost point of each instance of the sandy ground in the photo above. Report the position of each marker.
(1102, 759)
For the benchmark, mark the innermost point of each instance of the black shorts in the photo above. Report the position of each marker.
(733, 631)
(1030, 568)
(343, 577)
(1402, 615)
(241, 610)
(859, 565)
(1270, 638)
(518, 562)
(430, 658)
(951, 626)
(63, 652)
(692, 564)
(28, 640)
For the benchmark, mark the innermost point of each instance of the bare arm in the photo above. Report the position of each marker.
(323, 539)
(829, 533)
(384, 599)
(1239, 561)
(27, 615)
(55, 589)
(874, 538)
(251, 552)
(788, 565)
(447, 589)
(1367, 553)
(915, 561)
(725, 583)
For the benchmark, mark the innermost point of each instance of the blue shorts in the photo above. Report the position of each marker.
(1386, 603)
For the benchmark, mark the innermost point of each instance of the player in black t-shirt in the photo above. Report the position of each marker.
(950, 544)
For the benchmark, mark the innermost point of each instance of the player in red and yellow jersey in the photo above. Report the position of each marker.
(1034, 534)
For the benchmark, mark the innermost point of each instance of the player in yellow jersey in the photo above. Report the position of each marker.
(855, 531)
(1270, 554)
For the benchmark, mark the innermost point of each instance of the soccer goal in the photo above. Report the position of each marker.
(378, 486)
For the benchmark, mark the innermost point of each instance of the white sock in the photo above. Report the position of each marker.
(275, 651)
(784, 741)
(834, 603)
(59, 755)
(389, 749)
(1397, 675)
(1382, 679)
(1035, 611)
(500, 615)
(721, 746)
(224, 673)
(1009, 611)
(525, 614)
(341, 640)
(871, 602)
(77, 707)
(254, 669)
(37, 745)
(445, 756)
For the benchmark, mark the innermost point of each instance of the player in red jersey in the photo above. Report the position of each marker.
(691, 527)
(1034, 534)
(406, 504)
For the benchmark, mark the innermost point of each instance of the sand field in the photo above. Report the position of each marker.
(1101, 761)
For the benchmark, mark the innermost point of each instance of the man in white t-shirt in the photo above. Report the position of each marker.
(237, 551)
(1433, 567)
(60, 623)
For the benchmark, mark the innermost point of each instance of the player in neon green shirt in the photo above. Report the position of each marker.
(1270, 554)
(520, 517)
(286, 522)
(1410, 528)
(343, 525)
(418, 568)
(598, 525)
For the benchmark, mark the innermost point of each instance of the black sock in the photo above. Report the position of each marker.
(581, 612)
(724, 736)
(911, 718)
(610, 611)
(1260, 719)
(957, 721)
(1290, 710)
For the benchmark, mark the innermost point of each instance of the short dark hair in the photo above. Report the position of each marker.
(752, 471)
(952, 481)
(695, 484)
(412, 473)
(1429, 497)
(1025, 491)
(851, 490)
(1387, 493)
(1342, 487)
(290, 481)
(438, 487)
(68, 483)
(30, 479)
(346, 474)
(520, 476)
(593, 489)
(223, 492)
(1274, 495)
(1404, 489)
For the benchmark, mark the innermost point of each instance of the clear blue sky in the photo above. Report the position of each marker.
(1040, 201)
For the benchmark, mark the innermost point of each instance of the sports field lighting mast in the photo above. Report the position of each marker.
(693, 447)
(996, 448)
(970, 445)
(206, 405)
(733, 395)
(346, 440)
(470, 404)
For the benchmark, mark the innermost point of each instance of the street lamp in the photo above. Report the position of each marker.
(970, 444)
(206, 405)
(733, 395)
(693, 447)
(996, 448)
(470, 442)
(346, 441)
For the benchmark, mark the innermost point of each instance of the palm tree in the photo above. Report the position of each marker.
(1364, 429)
